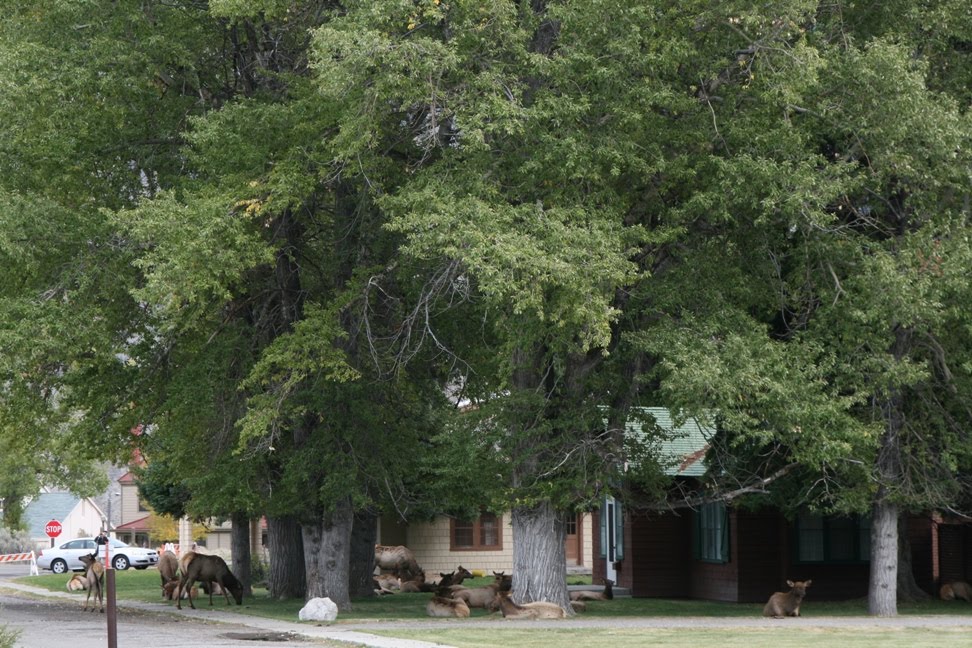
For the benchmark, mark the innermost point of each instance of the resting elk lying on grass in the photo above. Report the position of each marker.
(77, 583)
(442, 606)
(535, 610)
(784, 604)
(478, 597)
(955, 590)
(606, 595)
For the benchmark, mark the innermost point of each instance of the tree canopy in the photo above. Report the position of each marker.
(287, 237)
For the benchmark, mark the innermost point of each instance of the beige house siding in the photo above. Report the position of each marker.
(129, 504)
(429, 541)
(430, 544)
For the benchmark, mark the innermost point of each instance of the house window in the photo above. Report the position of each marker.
(481, 534)
(712, 533)
(845, 539)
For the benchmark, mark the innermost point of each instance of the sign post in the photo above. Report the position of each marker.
(109, 591)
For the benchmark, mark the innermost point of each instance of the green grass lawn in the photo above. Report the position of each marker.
(144, 586)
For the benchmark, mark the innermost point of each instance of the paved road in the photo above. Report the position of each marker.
(49, 623)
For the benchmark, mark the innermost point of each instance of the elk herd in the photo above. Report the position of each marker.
(400, 573)
(178, 575)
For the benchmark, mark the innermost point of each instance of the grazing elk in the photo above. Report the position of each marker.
(441, 606)
(956, 590)
(208, 569)
(399, 560)
(94, 573)
(606, 595)
(168, 566)
(784, 604)
(535, 610)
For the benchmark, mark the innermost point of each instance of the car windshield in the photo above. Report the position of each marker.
(117, 543)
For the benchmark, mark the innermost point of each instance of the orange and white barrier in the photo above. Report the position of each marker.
(22, 557)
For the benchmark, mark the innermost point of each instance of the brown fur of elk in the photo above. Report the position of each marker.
(956, 590)
(94, 574)
(168, 566)
(417, 584)
(208, 569)
(606, 595)
(457, 576)
(441, 606)
(478, 597)
(171, 591)
(784, 604)
(397, 559)
(77, 583)
(535, 610)
(505, 582)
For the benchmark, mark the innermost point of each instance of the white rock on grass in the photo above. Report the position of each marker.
(318, 609)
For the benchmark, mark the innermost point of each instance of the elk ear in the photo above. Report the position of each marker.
(790, 583)
(807, 584)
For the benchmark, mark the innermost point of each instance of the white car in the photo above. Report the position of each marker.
(67, 557)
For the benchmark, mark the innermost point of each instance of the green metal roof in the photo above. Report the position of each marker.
(681, 448)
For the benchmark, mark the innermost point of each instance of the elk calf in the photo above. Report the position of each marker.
(171, 591)
(956, 590)
(784, 604)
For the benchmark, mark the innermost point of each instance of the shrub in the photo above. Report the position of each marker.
(14, 541)
(8, 637)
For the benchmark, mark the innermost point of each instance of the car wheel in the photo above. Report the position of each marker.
(120, 563)
(59, 566)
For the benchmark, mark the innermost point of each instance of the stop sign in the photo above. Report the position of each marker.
(53, 529)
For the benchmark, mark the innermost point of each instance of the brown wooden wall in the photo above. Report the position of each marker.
(659, 556)
(659, 562)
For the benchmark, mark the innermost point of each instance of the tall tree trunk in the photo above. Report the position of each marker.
(882, 594)
(286, 575)
(240, 548)
(327, 554)
(364, 535)
(539, 561)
